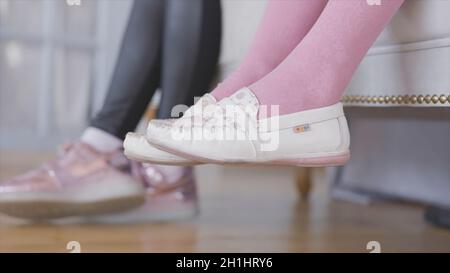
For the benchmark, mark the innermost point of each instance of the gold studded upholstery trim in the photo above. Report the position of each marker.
(405, 99)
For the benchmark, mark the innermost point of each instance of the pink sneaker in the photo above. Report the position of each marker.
(81, 181)
(165, 200)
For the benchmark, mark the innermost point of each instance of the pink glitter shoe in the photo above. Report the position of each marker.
(167, 198)
(81, 181)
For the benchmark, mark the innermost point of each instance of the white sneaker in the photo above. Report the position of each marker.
(137, 148)
(234, 135)
(158, 127)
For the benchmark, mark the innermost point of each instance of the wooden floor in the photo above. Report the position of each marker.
(242, 209)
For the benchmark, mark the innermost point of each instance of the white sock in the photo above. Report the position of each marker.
(101, 140)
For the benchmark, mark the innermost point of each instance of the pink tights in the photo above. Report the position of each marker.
(306, 51)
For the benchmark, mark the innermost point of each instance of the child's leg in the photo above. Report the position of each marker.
(190, 51)
(318, 70)
(136, 74)
(283, 26)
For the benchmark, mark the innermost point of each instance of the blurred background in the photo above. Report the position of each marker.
(57, 58)
(53, 60)
(56, 61)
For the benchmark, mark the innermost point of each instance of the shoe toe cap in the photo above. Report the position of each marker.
(135, 143)
(138, 146)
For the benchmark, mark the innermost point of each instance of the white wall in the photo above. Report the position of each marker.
(240, 20)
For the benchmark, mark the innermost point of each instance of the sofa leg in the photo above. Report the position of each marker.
(303, 181)
(438, 216)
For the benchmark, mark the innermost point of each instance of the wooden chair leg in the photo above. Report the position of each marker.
(303, 181)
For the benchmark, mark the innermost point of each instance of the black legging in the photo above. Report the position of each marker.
(171, 44)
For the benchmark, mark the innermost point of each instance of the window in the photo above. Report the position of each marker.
(52, 62)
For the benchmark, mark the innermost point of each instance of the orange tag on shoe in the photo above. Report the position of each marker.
(301, 128)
